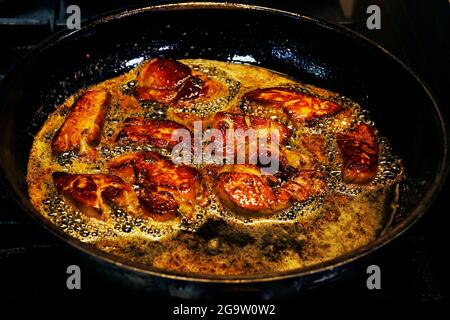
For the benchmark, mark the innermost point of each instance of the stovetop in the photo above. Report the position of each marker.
(33, 263)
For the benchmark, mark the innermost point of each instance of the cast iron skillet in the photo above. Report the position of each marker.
(308, 49)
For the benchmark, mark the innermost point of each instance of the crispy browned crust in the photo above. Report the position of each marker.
(163, 188)
(263, 126)
(299, 107)
(161, 79)
(163, 74)
(201, 87)
(244, 190)
(170, 81)
(157, 133)
(305, 184)
(226, 120)
(124, 166)
(359, 150)
(316, 145)
(240, 124)
(83, 126)
(291, 161)
(92, 193)
(192, 89)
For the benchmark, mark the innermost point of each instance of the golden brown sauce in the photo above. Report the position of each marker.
(218, 241)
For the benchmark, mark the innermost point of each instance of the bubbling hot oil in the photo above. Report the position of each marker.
(216, 240)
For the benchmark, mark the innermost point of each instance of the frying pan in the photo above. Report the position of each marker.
(308, 49)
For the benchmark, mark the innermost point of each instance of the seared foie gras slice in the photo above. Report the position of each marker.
(305, 184)
(82, 128)
(124, 166)
(309, 152)
(300, 108)
(163, 74)
(92, 193)
(359, 150)
(291, 161)
(198, 89)
(316, 145)
(159, 203)
(161, 79)
(163, 188)
(166, 81)
(157, 133)
(182, 183)
(262, 126)
(232, 128)
(170, 81)
(192, 89)
(265, 128)
(244, 135)
(244, 190)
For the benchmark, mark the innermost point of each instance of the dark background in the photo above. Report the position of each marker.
(33, 264)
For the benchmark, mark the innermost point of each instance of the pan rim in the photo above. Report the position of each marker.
(419, 210)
